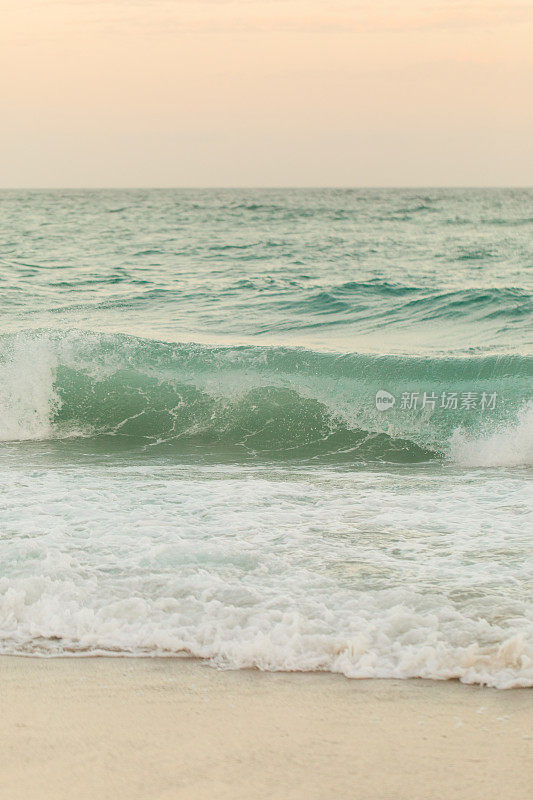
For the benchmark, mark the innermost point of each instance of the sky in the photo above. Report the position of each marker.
(109, 93)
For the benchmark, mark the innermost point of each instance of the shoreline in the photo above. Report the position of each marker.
(140, 728)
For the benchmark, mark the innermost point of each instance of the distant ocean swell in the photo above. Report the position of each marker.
(273, 402)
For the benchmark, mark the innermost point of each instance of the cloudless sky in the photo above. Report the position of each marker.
(266, 92)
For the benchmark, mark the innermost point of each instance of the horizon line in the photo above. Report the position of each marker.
(275, 187)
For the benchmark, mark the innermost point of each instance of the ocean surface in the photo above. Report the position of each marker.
(284, 429)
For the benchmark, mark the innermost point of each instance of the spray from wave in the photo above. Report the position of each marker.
(507, 445)
(28, 398)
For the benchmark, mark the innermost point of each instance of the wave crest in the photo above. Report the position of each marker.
(275, 401)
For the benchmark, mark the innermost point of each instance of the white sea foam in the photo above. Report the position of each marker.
(369, 574)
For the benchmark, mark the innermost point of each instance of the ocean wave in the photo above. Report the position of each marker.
(276, 402)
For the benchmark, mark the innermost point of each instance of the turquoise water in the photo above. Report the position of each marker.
(289, 429)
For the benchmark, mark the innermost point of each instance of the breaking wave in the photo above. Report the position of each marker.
(276, 402)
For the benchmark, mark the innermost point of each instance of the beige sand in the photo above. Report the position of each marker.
(173, 728)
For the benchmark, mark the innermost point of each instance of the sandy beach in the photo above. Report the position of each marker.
(176, 728)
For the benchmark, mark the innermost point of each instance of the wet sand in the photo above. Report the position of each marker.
(141, 728)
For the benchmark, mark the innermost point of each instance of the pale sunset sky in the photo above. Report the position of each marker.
(266, 93)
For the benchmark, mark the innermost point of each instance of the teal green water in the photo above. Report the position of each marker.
(280, 428)
(356, 271)
(406, 291)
